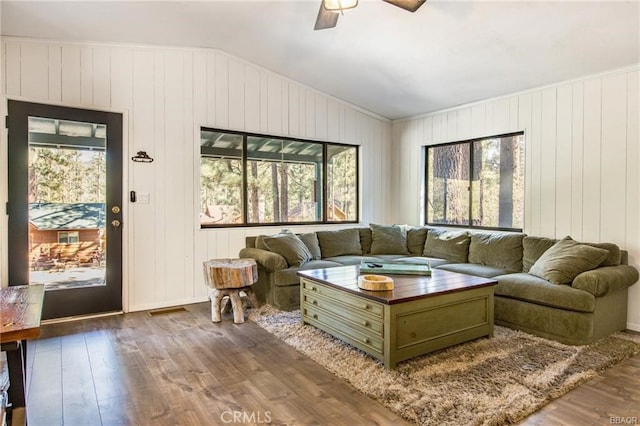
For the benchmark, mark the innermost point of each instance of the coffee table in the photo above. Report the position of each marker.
(420, 315)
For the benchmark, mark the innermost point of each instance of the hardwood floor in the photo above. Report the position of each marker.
(180, 369)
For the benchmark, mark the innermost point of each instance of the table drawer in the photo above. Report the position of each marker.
(355, 302)
(364, 340)
(363, 320)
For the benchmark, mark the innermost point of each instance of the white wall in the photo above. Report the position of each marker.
(582, 156)
(166, 94)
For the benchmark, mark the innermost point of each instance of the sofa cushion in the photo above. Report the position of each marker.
(533, 248)
(310, 239)
(289, 276)
(566, 259)
(340, 242)
(527, 287)
(474, 269)
(290, 246)
(388, 239)
(498, 249)
(365, 239)
(614, 256)
(446, 244)
(416, 237)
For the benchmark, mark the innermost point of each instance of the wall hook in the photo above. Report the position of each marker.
(142, 157)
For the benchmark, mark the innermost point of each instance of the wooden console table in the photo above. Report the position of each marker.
(20, 314)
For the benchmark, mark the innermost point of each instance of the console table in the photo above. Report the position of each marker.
(20, 314)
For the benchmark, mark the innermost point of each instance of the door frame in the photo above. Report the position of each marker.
(4, 187)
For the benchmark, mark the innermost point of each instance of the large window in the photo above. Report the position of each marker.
(248, 179)
(477, 183)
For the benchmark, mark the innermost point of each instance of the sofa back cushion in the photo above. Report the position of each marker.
(310, 239)
(365, 239)
(533, 248)
(447, 244)
(340, 242)
(615, 255)
(390, 239)
(566, 260)
(416, 237)
(498, 249)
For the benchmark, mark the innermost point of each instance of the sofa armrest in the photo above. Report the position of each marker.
(268, 260)
(601, 281)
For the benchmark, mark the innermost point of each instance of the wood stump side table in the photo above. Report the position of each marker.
(227, 278)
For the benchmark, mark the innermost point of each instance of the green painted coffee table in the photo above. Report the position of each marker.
(420, 315)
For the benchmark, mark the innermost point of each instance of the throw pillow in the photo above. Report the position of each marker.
(340, 243)
(498, 249)
(290, 246)
(446, 244)
(566, 260)
(416, 237)
(260, 242)
(614, 257)
(365, 239)
(388, 239)
(310, 240)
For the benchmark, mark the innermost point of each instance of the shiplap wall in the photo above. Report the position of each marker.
(166, 94)
(582, 156)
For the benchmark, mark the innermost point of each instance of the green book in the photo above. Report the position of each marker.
(394, 268)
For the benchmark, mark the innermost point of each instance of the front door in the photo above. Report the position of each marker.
(65, 206)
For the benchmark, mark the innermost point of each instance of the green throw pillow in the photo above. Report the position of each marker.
(567, 259)
(388, 239)
(446, 244)
(365, 239)
(340, 243)
(290, 246)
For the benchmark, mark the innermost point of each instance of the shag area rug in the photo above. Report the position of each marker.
(489, 381)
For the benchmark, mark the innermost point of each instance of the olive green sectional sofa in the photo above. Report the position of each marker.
(559, 289)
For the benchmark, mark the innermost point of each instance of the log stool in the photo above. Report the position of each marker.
(227, 278)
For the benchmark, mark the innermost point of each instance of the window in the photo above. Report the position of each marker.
(477, 184)
(248, 179)
(68, 237)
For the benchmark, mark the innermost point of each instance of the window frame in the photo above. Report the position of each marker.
(245, 202)
(469, 142)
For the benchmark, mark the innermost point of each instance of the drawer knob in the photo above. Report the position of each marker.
(366, 340)
(315, 316)
(313, 289)
(314, 302)
(366, 306)
(366, 323)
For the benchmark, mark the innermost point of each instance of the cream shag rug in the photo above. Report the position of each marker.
(493, 381)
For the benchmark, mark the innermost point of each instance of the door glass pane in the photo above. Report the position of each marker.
(67, 196)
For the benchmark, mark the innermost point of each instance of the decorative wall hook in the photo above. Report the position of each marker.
(142, 157)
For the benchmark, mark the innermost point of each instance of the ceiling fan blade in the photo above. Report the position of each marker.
(410, 5)
(326, 18)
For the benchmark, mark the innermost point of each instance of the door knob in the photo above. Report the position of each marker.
(115, 223)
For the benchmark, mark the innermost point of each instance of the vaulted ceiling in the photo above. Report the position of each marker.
(379, 57)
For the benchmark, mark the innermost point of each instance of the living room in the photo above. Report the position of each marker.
(580, 123)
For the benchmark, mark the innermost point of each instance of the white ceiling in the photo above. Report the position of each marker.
(379, 57)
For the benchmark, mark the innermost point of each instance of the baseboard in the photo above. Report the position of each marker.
(633, 326)
(148, 306)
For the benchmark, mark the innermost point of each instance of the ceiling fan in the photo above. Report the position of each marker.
(330, 10)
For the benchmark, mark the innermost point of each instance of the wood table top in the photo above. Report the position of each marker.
(406, 287)
(20, 312)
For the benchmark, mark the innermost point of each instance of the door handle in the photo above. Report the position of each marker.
(115, 223)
